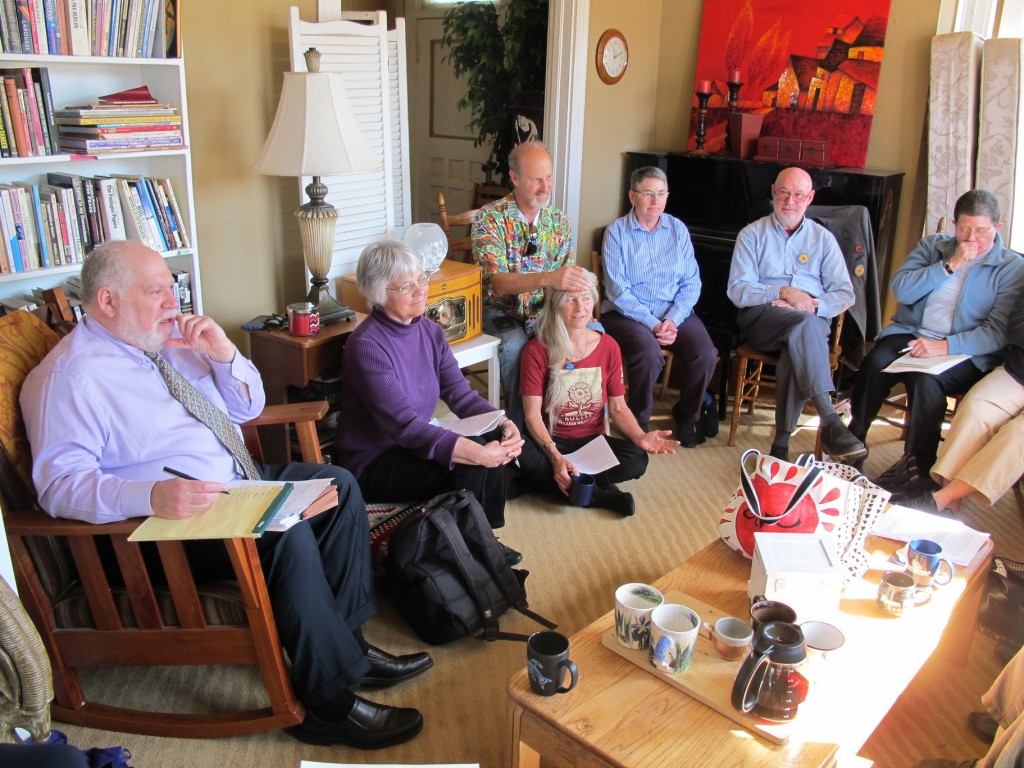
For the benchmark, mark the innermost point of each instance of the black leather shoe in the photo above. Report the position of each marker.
(899, 473)
(709, 417)
(687, 433)
(778, 452)
(368, 726)
(840, 443)
(511, 556)
(387, 670)
(983, 725)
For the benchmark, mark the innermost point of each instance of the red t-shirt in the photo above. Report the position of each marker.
(588, 386)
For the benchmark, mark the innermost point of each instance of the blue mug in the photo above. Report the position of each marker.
(925, 562)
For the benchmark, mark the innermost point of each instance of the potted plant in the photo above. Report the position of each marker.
(501, 53)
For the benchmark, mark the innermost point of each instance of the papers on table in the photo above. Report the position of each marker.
(932, 365)
(959, 543)
(246, 512)
(471, 426)
(594, 457)
(312, 764)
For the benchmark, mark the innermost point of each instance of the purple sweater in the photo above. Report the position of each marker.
(392, 377)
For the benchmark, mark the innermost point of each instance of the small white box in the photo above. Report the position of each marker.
(800, 570)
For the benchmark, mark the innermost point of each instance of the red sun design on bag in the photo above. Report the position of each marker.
(775, 483)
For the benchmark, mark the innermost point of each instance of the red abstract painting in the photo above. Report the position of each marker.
(810, 67)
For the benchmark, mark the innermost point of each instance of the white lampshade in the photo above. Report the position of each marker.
(314, 132)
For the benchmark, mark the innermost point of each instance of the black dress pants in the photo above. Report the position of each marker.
(926, 397)
(399, 474)
(536, 469)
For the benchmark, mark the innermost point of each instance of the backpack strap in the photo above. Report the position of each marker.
(441, 518)
(750, 495)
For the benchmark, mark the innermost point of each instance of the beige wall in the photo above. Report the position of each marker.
(250, 251)
(619, 117)
(897, 133)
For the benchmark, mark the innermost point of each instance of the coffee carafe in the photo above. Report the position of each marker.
(769, 684)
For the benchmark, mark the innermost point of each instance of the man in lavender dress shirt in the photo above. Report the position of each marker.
(103, 424)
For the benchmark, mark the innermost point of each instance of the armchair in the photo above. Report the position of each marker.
(99, 600)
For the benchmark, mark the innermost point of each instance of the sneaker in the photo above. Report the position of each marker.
(913, 488)
(924, 502)
(686, 430)
(709, 416)
(511, 556)
(840, 444)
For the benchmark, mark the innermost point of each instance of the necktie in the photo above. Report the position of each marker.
(209, 414)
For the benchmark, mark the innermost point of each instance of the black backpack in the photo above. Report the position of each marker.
(447, 574)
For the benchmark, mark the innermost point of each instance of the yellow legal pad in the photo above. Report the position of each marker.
(244, 514)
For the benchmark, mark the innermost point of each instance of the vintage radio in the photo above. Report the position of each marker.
(454, 300)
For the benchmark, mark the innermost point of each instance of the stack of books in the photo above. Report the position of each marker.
(130, 121)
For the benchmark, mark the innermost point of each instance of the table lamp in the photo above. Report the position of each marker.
(315, 134)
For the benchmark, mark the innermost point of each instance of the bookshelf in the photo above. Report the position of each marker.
(81, 80)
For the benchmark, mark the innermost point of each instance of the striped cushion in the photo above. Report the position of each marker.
(221, 603)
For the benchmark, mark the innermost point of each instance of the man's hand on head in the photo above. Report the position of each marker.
(201, 334)
(177, 499)
(569, 278)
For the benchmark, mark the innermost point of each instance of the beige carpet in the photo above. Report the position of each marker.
(576, 558)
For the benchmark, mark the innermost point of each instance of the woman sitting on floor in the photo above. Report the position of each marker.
(396, 366)
(569, 373)
(983, 454)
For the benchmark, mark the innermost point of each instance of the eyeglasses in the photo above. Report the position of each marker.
(782, 194)
(531, 249)
(650, 194)
(981, 232)
(406, 288)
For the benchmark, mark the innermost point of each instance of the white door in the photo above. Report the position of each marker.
(443, 158)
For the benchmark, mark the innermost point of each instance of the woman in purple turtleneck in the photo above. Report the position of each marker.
(396, 366)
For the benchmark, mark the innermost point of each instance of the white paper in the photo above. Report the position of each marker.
(304, 493)
(959, 542)
(594, 457)
(471, 426)
(932, 365)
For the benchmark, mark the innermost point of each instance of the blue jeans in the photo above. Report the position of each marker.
(513, 338)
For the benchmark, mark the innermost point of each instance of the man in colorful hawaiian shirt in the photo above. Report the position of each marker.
(524, 246)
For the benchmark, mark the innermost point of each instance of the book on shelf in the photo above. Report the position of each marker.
(5, 115)
(39, 27)
(24, 218)
(77, 145)
(111, 213)
(183, 290)
(37, 223)
(78, 27)
(19, 125)
(67, 213)
(118, 120)
(19, 301)
(74, 183)
(168, 190)
(11, 35)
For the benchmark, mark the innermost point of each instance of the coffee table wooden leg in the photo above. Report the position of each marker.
(956, 640)
(521, 755)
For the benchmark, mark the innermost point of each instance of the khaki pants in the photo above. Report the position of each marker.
(1005, 702)
(985, 444)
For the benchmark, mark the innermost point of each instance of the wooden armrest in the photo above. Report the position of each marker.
(38, 523)
(290, 413)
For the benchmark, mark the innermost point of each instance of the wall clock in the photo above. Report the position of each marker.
(612, 56)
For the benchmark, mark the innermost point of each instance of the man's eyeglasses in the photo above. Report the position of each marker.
(977, 231)
(650, 194)
(406, 288)
(531, 248)
(782, 194)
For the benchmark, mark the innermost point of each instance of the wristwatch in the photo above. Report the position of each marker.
(946, 265)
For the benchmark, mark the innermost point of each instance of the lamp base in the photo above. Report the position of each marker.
(328, 307)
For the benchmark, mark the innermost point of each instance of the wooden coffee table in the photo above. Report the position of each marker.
(622, 715)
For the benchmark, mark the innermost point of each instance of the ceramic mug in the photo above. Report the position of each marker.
(925, 561)
(547, 661)
(821, 640)
(898, 593)
(582, 491)
(674, 631)
(633, 606)
(730, 636)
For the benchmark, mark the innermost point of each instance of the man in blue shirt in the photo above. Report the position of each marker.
(652, 283)
(955, 294)
(789, 279)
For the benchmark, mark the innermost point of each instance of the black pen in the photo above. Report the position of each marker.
(183, 476)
